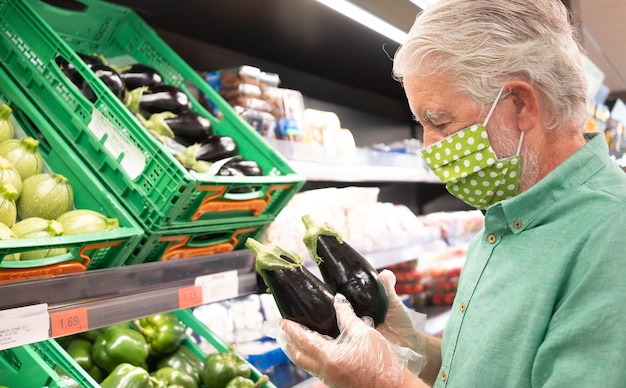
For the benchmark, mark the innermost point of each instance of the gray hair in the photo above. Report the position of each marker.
(486, 43)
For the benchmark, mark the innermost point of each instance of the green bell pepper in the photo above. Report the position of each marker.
(220, 368)
(242, 382)
(117, 345)
(172, 376)
(163, 332)
(92, 334)
(80, 350)
(183, 359)
(126, 375)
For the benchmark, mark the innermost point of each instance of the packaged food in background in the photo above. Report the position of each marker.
(227, 81)
(290, 124)
(317, 123)
(267, 80)
(232, 77)
(248, 102)
(263, 122)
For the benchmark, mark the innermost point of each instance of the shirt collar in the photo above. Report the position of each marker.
(575, 170)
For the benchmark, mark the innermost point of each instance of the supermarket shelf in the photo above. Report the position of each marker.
(108, 296)
(323, 171)
(317, 163)
(386, 258)
(113, 295)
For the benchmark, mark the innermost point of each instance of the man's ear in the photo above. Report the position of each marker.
(526, 104)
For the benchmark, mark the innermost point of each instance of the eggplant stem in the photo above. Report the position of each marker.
(133, 98)
(312, 233)
(270, 257)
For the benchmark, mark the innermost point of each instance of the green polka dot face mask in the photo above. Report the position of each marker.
(472, 172)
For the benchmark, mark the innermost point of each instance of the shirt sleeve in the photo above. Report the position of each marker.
(585, 343)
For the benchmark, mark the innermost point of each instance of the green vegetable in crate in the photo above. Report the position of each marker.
(183, 359)
(300, 295)
(6, 127)
(346, 271)
(92, 334)
(242, 382)
(46, 196)
(83, 221)
(8, 211)
(156, 99)
(117, 345)
(24, 155)
(126, 375)
(80, 350)
(8, 174)
(170, 376)
(220, 368)
(7, 234)
(163, 332)
(36, 227)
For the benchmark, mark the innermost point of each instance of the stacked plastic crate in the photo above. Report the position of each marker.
(182, 212)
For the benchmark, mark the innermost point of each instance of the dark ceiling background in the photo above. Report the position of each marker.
(300, 34)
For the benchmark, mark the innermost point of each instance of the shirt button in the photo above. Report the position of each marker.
(517, 224)
(444, 375)
(462, 307)
(492, 238)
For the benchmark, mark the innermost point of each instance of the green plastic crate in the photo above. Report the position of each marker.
(42, 364)
(193, 242)
(203, 331)
(87, 251)
(144, 174)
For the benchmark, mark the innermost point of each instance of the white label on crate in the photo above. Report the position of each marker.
(127, 155)
(24, 325)
(218, 286)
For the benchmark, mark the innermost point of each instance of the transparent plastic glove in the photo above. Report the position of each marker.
(402, 326)
(359, 357)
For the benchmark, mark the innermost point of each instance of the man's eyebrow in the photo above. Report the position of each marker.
(429, 115)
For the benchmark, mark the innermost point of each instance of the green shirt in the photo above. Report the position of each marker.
(542, 296)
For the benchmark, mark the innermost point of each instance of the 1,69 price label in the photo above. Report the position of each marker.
(68, 322)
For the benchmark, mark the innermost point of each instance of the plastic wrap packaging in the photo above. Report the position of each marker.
(317, 123)
(359, 357)
(263, 122)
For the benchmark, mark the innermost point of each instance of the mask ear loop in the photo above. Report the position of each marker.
(519, 146)
(493, 107)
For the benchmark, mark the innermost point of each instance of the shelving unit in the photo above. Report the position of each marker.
(103, 297)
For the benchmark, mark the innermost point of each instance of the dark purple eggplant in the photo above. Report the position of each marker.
(138, 75)
(217, 147)
(111, 79)
(189, 128)
(186, 129)
(70, 70)
(148, 100)
(240, 166)
(300, 296)
(346, 271)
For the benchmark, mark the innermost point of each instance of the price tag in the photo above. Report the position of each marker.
(68, 322)
(218, 286)
(189, 297)
(24, 325)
